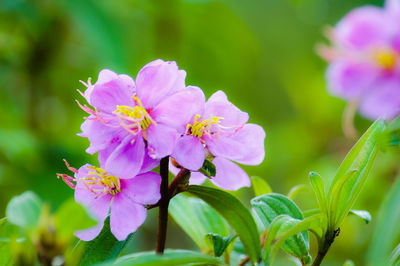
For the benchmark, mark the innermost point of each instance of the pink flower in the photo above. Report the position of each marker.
(103, 194)
(219, 131)
(365, 59)
(134, 125)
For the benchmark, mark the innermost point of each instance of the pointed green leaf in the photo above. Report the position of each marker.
(319, 190)
(272, 205)
(366, 216)
(360, 160)
(387, 229)
(170, 257)
(260, 186)
(105, 247)
(394, 259)
(235, 213)
(220, 243)
(197, 219)
(24, 210)
(296, 190)
(284, 227)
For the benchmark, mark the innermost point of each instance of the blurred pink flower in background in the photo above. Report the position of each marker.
(365, 59)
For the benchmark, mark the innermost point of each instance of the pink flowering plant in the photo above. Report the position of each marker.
(159, 144)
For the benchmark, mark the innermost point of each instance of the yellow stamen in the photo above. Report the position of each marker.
(199, 127)
(387, 58)
(100, 177)
(134, 115)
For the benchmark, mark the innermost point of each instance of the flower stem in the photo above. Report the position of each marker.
(163, 207)
(323, 250)
(174, 187)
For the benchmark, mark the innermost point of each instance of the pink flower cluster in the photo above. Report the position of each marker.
(133, 124)
(365, 59)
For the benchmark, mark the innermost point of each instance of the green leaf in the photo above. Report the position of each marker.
(319, 189)
(235, 213)
(197, 219)
(296, 190)
(272, 205)
(284, 227)
(105, 247)
(220, 243)
(24, 210)
(71, 217)
(170, 257)
(208, 168)
(365, 215)
(260, 186)
(3, 221)
(348, 263)
(395, 257)
(358, 161)
(387, 229)
(5, 253)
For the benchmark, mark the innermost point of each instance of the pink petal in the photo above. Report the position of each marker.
(189, 152)
(246, 146)
(383, 101)
(98, 207)
(106, 96)
(161, 140)
(126, 216)
(148, 163)
(180, 108)
(91, 233)
(157, 80)
(143, 188)
(196, 178)
(228, 175)
(362, 28)
(349, 80)
(219, 106)
(100, 136)
(126, 160)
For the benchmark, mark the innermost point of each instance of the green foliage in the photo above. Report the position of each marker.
(394, 259)
(197, 219)
(5, 251)
(319, 189)
(208, 168)
(170, 257)
(387, 228)
(365, 215)
(105, 247)
(237, 215)
(24, 210)
(284, 227)
(352, 174)
(220, 243)
(260, 186)
(269, 207)
(296, 190)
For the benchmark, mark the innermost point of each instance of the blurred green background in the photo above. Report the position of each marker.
(260, 52)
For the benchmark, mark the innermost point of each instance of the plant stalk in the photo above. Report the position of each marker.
(322, 251)
(163, 207)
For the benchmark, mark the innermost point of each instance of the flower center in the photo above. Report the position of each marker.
(200, 128)
(100, 182)
(134, 119)
(387, 58)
